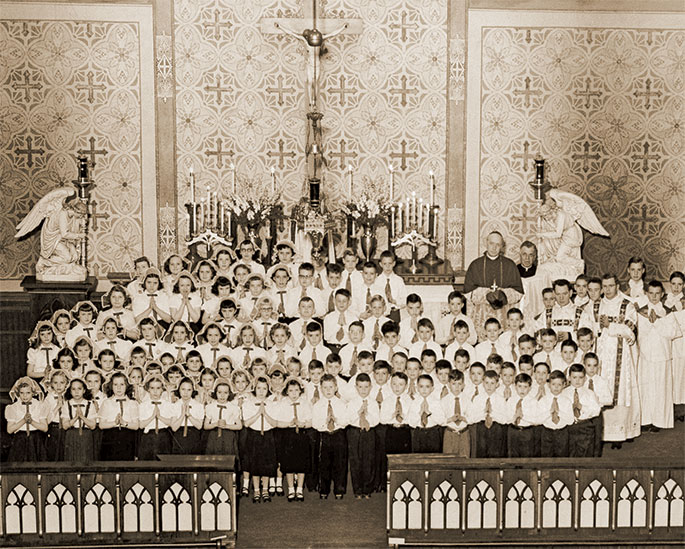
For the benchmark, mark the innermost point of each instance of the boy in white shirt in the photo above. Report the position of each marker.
(349, 353)
(333, 284)
(581, 433)
(362, 294)
(335, 324)
(426, 417)
(507, 343)
(426, 332)
(556, 414)
(444, 333)
(507, 387)
(390, 344)
(352, 279)
(298, 328)
(363, 415)
(314, 348)
(488, 347)
(600, 387)
(462, 334)
(409, 325)
(488, 420)
(393, 286)
(374, 322)
(522, 414)
(456, 438)
(394, 415)
(305, 277)
(548, 354)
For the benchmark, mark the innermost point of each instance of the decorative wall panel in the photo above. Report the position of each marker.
(241, 97)
(606, 108)
(71, 84)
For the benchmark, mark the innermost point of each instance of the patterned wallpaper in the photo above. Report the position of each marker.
(64, 87)
(240, 90)
(606, 109)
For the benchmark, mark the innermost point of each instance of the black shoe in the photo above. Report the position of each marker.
(256, 498)
(279, 491)
(266, 498)
(272, 491)
(299, 497)
(616, 445)
(654, 429)
(291, 497)
(244, 491)
(339, 496)
(323, 496)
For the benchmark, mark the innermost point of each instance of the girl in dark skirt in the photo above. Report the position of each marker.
(79, 419)
(94, 381)
(222, 422)
(55, 384)
(118, 421)
(156, 414)
(241, 385)
(261, 447)
(26, 422)
(294, 416)
(187, 420)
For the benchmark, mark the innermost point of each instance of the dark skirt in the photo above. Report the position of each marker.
(151, 444)
(27, 447)
(261, 453)
(224, 445)
(293, 450)
(77, 446)
(53, 442)
(242, 448)
(118, 444)
(191, 444)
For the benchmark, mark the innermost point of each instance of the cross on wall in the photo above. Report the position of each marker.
(403, 91)
(92, 152)
(280, 89)
(527, 92)
(341, 90)
(95, 215)
(217, 24)
(343, 154)
(587, 93)
(218, 90)
(403, 155)
(403, 26)
(585, 156)
(280, 154)
(29, 151)
(219, 153)
(525, 156)
(90, 86)
(645, 157)
(27, 86)
(647, 94)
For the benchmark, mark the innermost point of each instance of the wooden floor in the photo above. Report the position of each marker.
(361, 524)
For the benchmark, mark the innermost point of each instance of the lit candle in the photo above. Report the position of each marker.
(419, 215)
(350, 182)
(192, 185)
(407, 219)
(216, 210)
(432, 184)
(392, 222)
(412, 211)
(435, 223)
(273, 180)
(229, 222)
(232, 168)
(392, 181)
(427, 220)
(221, 217)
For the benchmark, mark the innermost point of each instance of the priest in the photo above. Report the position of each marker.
(533, 283)
(492, 284)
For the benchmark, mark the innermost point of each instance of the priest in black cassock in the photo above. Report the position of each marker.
(492, 284)
(533, 282)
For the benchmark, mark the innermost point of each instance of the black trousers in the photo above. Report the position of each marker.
(581, 439)
(522, 441)
(397, 440)
(333, 462)
(554, 442)
(426, 441)
(361, 451)
(492, 442)
(380, 458)
(598, 423)
(311, 479)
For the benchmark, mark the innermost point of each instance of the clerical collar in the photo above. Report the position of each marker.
(490, 257)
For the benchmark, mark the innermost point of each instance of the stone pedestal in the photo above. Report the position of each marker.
(47, 297)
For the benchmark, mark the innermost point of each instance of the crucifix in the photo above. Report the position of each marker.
(313, 38)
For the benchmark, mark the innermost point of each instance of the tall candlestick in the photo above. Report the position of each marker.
(419, 215)
(192, 185)
(230, 223)
(392, 181)
(407, 219)
(216, 210)
(221, 217)
(432, 189)
(435, 223)
(273, 180)
(427, 220)
(412, 211)
(232, 168)
(392, 222)
(350, 182)
(190, 231)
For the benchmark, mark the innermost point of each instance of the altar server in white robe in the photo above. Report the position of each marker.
(616, 327)
(676, 301)
(656, 328)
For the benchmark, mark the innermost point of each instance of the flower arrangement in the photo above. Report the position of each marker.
(254, 201)
(371, 206)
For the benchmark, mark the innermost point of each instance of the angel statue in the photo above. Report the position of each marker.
(64, 223)
(563, 216)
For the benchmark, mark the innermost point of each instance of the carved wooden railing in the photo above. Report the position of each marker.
(442, 500)
(177, 502)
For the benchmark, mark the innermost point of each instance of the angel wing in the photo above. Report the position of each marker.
(579, 210)
(50, 203)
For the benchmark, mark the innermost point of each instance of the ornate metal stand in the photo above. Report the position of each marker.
(414, 239)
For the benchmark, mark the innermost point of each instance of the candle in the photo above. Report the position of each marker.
(350, 182)
(419, 215)
(407, 217)
(189, 225)
(427, 221)
(273, 180)
(392, 180)
(435, 223)
(432, 189)
(413, 219)
(221, 217)
(193, 218)
(392, 222)
(232, 168)
(192, 185)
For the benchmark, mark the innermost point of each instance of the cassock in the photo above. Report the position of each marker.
(482, 273)
(531, 303)
(656, 328)
(679, 361)
(622, 421)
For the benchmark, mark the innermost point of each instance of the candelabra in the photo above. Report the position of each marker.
(83, 183)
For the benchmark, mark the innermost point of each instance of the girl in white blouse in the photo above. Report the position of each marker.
(188, 417)
(42, 351)
(119, 415)
(26, 422)
(222, 420)
(79, 419)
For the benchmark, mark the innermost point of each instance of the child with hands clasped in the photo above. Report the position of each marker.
(26, 422)
(222, 420)
(187, 420)
(118, 418)
(79, 419)
(156, 413)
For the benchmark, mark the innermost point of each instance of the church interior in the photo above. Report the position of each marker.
(416, 129)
